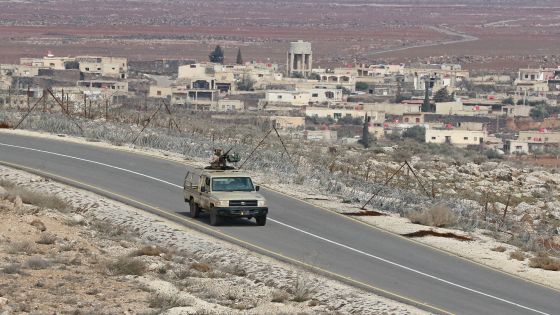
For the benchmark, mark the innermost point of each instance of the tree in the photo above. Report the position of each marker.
(443, 96)
(245, 84)
(508, 101)
(543, 111)
(239, 59)
(345, 91)
(217, 55)
(417, 133)
(426, 105)
(362, 86)
(314, 76)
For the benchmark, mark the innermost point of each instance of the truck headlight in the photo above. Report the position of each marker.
(222, 203)
(262, 203)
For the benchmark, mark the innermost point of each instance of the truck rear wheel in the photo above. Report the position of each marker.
(194, 209)
(261, 220)
(215, 219)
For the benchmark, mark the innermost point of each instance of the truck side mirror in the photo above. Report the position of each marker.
(257, 188)
(203, 189)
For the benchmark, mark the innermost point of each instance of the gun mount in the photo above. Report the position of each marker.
(221, 160)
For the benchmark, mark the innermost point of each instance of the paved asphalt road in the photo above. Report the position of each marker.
(299, 231)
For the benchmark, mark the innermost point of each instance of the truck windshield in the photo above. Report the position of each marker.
(232, 184)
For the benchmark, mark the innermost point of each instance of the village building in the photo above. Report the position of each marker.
(456, 137)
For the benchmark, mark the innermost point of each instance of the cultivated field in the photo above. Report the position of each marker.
(476, 33)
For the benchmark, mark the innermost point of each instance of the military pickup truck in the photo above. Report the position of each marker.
(224, 193)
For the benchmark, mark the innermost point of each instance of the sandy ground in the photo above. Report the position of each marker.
(189, 273)
(478, 250)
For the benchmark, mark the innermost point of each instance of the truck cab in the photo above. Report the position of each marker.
(224, 194)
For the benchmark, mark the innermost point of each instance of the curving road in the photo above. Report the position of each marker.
(297, 231)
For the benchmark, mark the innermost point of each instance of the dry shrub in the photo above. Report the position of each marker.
(438, 216)
(165, 302)
(39, 225)
(519, 255)
(543, 261)
(46, 239)
(125, 266)
(37, 263)
(111, 230)
(150, 251)
(12, 269)
(302, 289)
(5, 125)
(182, 273)
(39, 199)
(279, 296)
(202, 267)
(236, 269)
(499, 249)
(25, 247)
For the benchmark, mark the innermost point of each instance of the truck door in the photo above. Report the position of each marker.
(204, 196)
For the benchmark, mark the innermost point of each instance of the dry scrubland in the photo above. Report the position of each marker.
(488, 200)
(68, 251)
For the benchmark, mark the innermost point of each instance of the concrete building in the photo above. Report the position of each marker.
(516, 147)
(320, 135)
(379, 71)
(226, 105)
(456, 137)
(392, 109)
(49, 61)
(299, 58)
(160, 91)
(114, 67)
(291, 98)
(541, 136)
(104, 85)
(289, 122)
(413, 118)
(325, 95)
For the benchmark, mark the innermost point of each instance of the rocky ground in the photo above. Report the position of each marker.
(70, 251)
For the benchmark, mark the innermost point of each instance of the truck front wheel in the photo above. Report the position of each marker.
(261, 220)
(215, 219)
(194, 209)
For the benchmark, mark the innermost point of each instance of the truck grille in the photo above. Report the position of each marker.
(243, 203)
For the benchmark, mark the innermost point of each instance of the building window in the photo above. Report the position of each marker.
(158, 93)
(417, 120)
(433, 138)
(315, 95)
(279, 97)
(475, 138)
(87, 69)
(465, 138)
